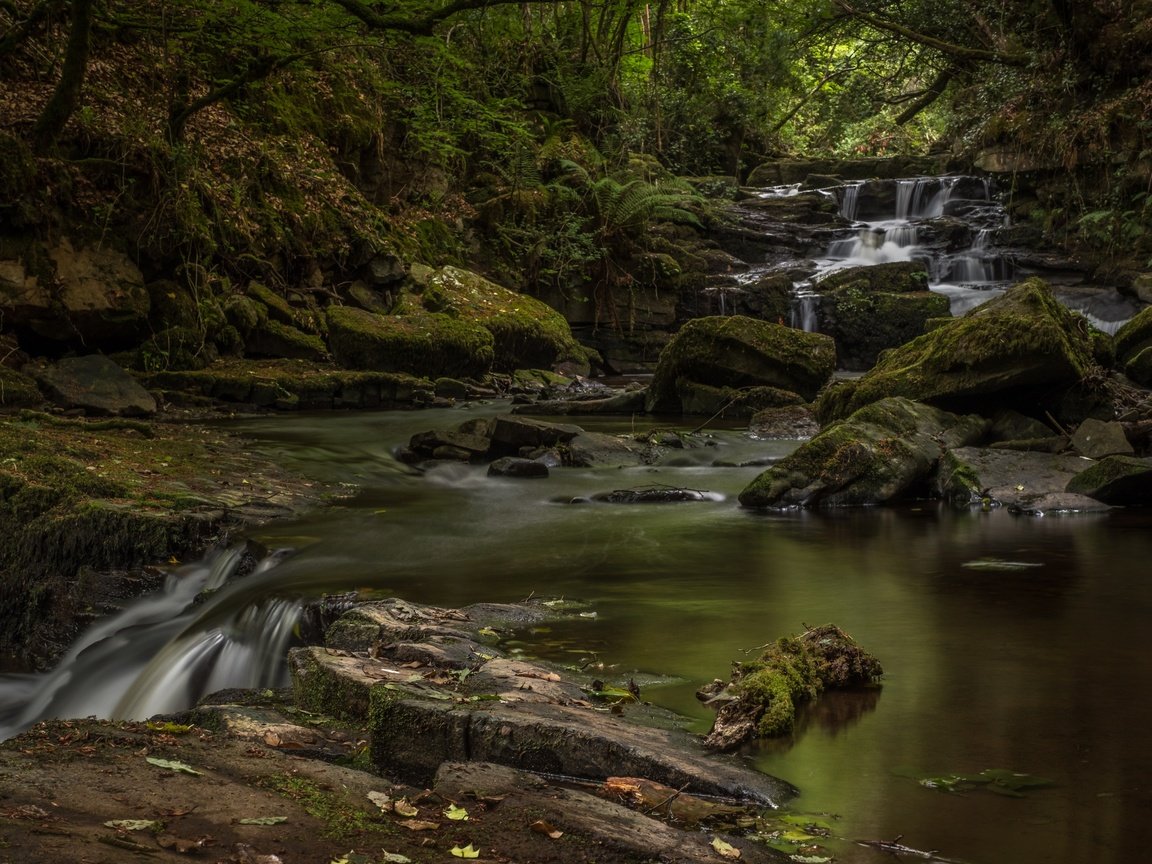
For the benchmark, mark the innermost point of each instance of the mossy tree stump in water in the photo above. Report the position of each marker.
(789, 672)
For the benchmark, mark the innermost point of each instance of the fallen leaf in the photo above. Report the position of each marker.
(172, 765)
(467, 852)
(264, 820)
(133, 824)
(458, 814)
(727, 850)
(405, 808)
(394, 858)
(419, 825)
(182, 844)
(542, 827)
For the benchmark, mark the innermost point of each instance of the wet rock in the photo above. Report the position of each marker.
(895, 277)
(1097, 439)
(628, 402)
(593, 449)
(273, 338)
(467, 445)
(715, 402)
(653, 495)
(1024, 481)
(884, 452)
(511, 466)
(740, 352)
(1021, 350)
(510, 434)
(96, 385)
(1133, 342)
(788, 422)
(1124, 481)
(1010, 425)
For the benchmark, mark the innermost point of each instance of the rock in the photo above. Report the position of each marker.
(865, 323)
(788, 423)
(1142, 288)
(1121, 480)
(384, 270)
(511, 466)
(654, 495)
(894, 277)
(89, 296)
(1096, 439)
(597, 449)
(628, 402)
(786, 171)
(273, 338)
(883, 452)
(1010, 425)
(471, 445)
(1014, 351)
(768, 298)
(510, 434)
(697, 398)
(526, 333)
(528, 799)
(95, 384)
(450, 388)
(430, 345)
(740, 352)
(17, 390)
(1132, 342)
(1025, 481)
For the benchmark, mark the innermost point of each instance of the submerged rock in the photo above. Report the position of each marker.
(654, 495)
(883, 452)
(1022, 350)
(738, 352)
(511, 466)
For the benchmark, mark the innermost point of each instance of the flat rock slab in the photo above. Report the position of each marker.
(1027, 481)
(578, 813)
(95, 384)
(411, 738)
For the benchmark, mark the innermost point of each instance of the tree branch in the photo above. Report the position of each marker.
(930, 95)
(423, 26)
(959, 51)
(17, 33)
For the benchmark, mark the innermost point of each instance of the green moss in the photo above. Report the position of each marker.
(278, 308)
(1139, 367)
(275, 339)
(244, 313)
(1134, 336)
(17, 390)
(735, 351)
(342, 819)
(1023, 339)
(430, 344)
(864, 322)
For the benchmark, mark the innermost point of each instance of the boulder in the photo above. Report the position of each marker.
(626, 402)
(1132, 342)
(894, 277)
(273, 338)
(96, 385)
(740, 352)
(526, 333)
(884, 452)
(87, 295)
(1096, 439)
(864, 322)
(790, 422)
(1023, 481)
(1021, 350)
(1121, 480)
(430, 345)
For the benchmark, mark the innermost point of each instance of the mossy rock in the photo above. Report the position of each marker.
(703, 399)
(1120, 480)
(896, 277)
(18, 390)
(739, 352)
(1139, 367)
(1016, 350)
(884, 452)
(278, 308)
(276, 339)
(1134, 336)
(865, 322)
(171, 305)
(244, 313)
(431, 345)
(526, 333)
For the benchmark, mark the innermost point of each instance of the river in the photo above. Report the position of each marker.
(1012, 643)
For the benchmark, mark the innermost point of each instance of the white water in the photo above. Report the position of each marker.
(164, 651)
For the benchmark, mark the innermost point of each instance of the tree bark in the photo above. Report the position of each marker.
(66, 96)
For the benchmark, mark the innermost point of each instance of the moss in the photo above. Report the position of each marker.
(735, 351)
(1124, 480)
(429, 344)
(17, 390)
(526, 333)
(1139, 367)
(1134, 336)
(273, 338)
(1023, 339)
(278, 308)
(894, 277)
(342, 819)
(244, 313)
(864, 322)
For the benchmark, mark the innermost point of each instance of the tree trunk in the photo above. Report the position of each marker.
(66, 96)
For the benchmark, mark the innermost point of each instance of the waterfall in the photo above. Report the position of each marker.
(850, 200)
(805, 312)
(166, 650)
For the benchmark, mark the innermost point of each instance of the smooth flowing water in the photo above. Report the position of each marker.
(1037, 666)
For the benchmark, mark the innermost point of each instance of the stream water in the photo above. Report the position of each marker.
(1008, 642)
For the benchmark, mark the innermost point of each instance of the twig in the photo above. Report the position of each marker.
(666, 801)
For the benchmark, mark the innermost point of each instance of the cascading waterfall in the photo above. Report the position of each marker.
(166, 650)
(850, 201)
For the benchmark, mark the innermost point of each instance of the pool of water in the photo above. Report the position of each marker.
(1038, 665)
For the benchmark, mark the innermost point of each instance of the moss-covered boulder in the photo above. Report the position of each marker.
(1121, 480)
(1022, 481)
(526, 333)
(864, 323)
(894, 277)
(1133, 344)
(273, 338)
(429, 344)
(884, 452)
(1022, 349)
(739, 352)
